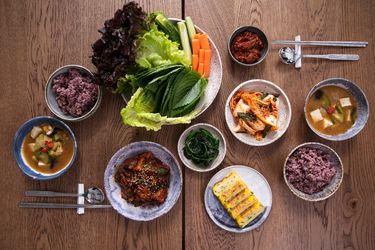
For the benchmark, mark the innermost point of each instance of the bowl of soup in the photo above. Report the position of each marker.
(44, 148)
(336, 109)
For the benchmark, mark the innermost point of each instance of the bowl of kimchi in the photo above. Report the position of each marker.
(258, 112)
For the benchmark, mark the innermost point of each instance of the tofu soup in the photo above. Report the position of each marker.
(331, 110)
(47, 149)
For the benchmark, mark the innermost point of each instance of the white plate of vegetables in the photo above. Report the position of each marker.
(167, 70)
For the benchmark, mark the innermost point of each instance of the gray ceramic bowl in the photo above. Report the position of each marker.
(113, 190)
(222, 147)
(363, 108)
(332, 187)
(254, 30)
(285, 112)
(51, 100)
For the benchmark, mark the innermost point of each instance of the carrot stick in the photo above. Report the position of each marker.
(195, 45)
(201, 56)
(196, 36)
(201, 68)
(207, 62)
(195, 62)
(203, 40)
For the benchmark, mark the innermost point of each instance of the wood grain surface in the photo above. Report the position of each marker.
(346, 220)
(36, 37)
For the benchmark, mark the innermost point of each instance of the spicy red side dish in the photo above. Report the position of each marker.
(246, 47)
(143, 179)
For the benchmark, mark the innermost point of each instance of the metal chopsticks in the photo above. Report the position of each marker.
(58, 205)
(49, 194)
(354, 44)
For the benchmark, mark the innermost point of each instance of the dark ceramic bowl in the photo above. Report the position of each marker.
(22, 133)
(254, 30)
(328, 190)
(51, 98)
(363, 108)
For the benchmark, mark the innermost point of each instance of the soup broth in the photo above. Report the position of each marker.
(331, 110)
(47, 151)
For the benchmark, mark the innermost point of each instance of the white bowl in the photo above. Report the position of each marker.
(222, 148)
(285, 112)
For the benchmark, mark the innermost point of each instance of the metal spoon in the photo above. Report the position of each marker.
(93, 195)
(288, 56)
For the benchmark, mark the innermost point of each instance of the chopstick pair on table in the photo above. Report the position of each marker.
(92, 195)
(58, 205)
(294, 56)
(353, 44)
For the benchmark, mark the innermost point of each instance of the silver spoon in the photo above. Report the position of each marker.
(288, 56)
(93, 195)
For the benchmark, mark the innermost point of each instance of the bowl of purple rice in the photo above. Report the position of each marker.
(313, 171)
(71, 93)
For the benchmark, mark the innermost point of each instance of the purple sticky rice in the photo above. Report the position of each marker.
(75, 94)
(310, 170)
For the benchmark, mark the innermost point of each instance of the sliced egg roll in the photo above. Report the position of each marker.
(243, 206)
(225, 183)
(238, 199)
(231, 192)
(250, 214)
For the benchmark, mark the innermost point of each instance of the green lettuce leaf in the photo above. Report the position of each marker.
(138, 113)
(154, 48)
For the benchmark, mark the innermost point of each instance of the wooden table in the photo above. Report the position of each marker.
(38, 36)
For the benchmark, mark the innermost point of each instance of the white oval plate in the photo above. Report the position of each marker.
(285, 112)
(255, 182)
(214, 80)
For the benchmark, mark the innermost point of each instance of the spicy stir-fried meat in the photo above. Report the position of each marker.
(256, 113)
(144, 179)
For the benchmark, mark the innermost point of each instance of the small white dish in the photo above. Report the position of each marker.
(255, 181)
(222, 147)
(285, 112)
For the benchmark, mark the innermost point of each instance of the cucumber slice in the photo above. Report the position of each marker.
(338, 117)
(167, 27)
(326, 101)
(190, 27)
(44, 157)
(184, 39)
